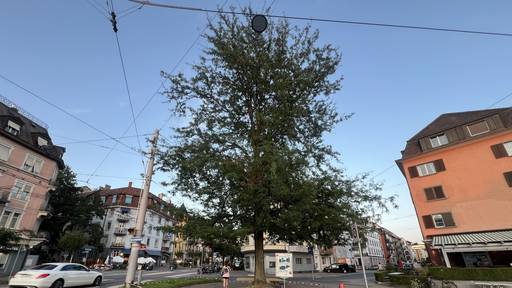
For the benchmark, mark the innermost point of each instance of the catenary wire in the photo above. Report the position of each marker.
(325, 20)
(66, 112)
(77, 141)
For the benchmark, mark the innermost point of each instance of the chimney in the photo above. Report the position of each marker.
(107, 187)
(130, 184)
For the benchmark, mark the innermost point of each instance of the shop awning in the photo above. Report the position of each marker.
(470, 239)
(154, 252)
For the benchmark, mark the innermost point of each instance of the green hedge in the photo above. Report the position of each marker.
(179, 282)
(380, 276)
(406, 279)
(476, 274)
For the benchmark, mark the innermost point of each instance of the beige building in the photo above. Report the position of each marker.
(29, 163)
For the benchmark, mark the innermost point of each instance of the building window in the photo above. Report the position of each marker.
(323, 260)
(438, 220)
(41, 141)
(21, 190)
(298, 261)
(508, 178)
(102, 198)
(247, 262)
(508, 148)
(5, 217)
(5, 151)
(109, 224)
(128, 199)
(272, 264)
(9, 219)
(156, 243)
(147, 241)
(13, 128)
(433, 193)
(308, 260)
(14, 220)
(439, 140)
(478, 128)
(114, 199)
(33, 164)
(426, 169)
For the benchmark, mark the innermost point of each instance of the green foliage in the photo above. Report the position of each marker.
(253, 151)
(176, 283)
(380, 276)
(8, 238)
(73, 240)
(408, 280)
(179, 254)
(476, 274)
(69, 209)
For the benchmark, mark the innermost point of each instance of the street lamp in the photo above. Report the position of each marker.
(259, 23)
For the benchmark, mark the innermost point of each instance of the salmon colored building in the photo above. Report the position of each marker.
(459, 173)
(29, 163)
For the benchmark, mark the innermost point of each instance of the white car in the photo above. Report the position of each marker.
(56, 275)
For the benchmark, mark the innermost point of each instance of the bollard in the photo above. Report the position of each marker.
(341, 285)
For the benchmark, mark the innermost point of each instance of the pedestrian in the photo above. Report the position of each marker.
(224, 272)
(380, 267)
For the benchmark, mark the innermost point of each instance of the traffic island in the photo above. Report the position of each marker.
(179, 282)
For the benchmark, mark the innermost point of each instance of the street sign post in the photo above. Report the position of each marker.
(284, 266)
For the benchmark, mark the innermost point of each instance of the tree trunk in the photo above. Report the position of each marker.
(260, 279)
(71, 257)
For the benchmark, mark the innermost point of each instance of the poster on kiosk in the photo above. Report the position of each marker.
(284, 265)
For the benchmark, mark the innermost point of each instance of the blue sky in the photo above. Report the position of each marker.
(396, 81)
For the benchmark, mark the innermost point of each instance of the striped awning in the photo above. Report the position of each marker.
(476, 238)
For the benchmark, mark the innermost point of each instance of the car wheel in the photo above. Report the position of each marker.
(97, 281)
(58, 284)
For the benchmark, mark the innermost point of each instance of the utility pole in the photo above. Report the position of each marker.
(360, 255)
(141, 215)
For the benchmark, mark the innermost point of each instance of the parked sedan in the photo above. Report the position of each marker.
(341, 268)
(56, 275)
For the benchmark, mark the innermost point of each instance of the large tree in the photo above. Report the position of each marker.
(253, 153)
(70, 209)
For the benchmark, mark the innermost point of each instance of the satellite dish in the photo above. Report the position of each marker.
(259, 23)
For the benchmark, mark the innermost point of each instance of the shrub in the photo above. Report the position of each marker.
(380, 276)
(407, 280)
(179, 282)
(478, 274)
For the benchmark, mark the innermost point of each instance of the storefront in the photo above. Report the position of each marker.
(480, 249)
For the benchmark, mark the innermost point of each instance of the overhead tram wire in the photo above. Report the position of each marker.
(121, 58)
(77, 141)
(326, 20)
(500, 100)
(67, 113)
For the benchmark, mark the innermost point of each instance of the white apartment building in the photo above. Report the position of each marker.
(120, 217)
(373, 254)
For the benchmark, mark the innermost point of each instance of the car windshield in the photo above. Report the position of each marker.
(44, 267)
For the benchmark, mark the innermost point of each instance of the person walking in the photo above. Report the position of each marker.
(224, 272)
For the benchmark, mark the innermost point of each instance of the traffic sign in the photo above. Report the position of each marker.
(284, 265)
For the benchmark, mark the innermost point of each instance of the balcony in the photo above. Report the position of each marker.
(120, 231)
(298, 248)
(123, 217)
(326, 251)
(117, 244)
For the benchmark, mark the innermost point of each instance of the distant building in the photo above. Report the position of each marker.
(29, 163)
(420, 252)
(395, 248)
(459, 172)
(121, 207)
(373, 253)
(302, 261)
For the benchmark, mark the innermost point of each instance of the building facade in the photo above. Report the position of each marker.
(29, 163)
(373, 253)
(420, 252)
(121, 208)
(302, 260)
(395, 249)
(459, 172)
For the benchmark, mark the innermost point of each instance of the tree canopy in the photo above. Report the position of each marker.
(70, 209)
(253, 152)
